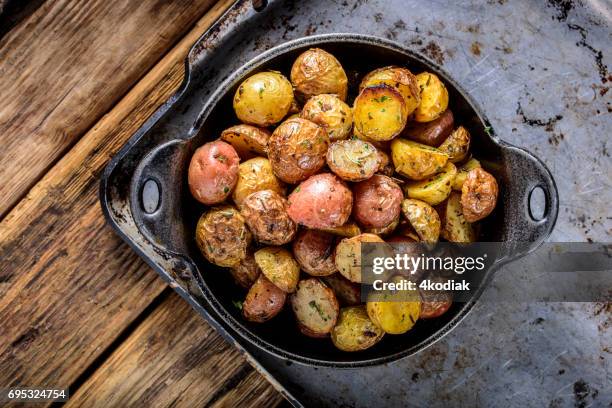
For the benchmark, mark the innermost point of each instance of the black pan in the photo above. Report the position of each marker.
(145, 198)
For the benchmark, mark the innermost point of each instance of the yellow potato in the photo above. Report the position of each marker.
(354, 330)
(379, 113)
(263, 99)
(331, 113)
(423, 218)
(386, 229)
(399, 78)
(434, 97)
(277, 264)
(395, 316)
(348, 255)
(436, 188)
(462, 173)
(349, 229)
(255, 175)
(457, 145)
(248, 141)
(416, 161)
(454, 226)
(317, 72)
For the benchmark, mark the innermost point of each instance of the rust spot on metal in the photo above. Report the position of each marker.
(433, 51)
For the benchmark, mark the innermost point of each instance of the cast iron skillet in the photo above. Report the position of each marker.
(145, 197)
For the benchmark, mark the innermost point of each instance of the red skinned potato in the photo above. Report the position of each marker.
(322, 201)
(431, 133)
(263, 302)
(478, 195)
(434, 303)
(246, 272)
(377, 201)
(314, 251)
(347, 292)
(213, 172)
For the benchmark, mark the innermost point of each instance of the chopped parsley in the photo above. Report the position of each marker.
(237, 304)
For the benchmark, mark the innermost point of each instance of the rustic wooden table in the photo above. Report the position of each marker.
(78, 308)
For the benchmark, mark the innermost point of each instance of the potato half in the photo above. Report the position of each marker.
(255, 175)
(348, 255)
(331, 113)
(396, 316)
(434, 97)
(462, 173)
(348, 229)
(423, 218)
(399, 78)
(263, 99)
(352, 160)
(317, 72)
(454, 226)
(416, 161)
(457, 144)
(379, 113)
(354, 330)
(436, 188)
(248, 141)
(277, 264)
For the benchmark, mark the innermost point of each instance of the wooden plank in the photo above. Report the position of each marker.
(67, 64)
(175, 359)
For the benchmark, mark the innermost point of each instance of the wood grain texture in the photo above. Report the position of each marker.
(175, 359)
(65, 65)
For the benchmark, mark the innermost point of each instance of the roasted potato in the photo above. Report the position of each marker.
(436, 188)
(248, 141)
(457, 145)
(385, 229)
(348, 255)
(395, 316)
(430, 133)
(377, 201)
(348, 229)
(463, 171)
(331, 113)
(317, 72)
(277, 264)
(254, 175)
(434, 303)
(416, 161)
(246, 272)
(423, 218)
(353, 159)
(222, 236)
(434, 97)
(265, 212)
(263, 301)
(399, 78)
(315, 307)
(478, 195)
(454, 226)
(322, 201)
(314, 251)
(354, 330)
(263, 99)
(379, 113)
(384, 164)
(297, 149)
(347, 292)
(213, 172)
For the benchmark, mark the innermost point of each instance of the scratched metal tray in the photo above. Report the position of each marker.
(237, 37)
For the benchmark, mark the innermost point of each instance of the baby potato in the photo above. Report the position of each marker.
(354, 330)
(254, 175)
(434, 97)
(248, 141)
(384, 164)
(263, 301)
(315, 307)
(454, 226)
(297, 149)
(314, 251)
(463, 171)
(379, 113)
(377, 201)
(317, 72)
(385, 229)
(348, 255)
(430, 133)
(416, 161)
(395, 317)
(478, 195)
(331, 113)
(246, 272)
(222, 236)
(436, 188)
(352, 160)
(322, 201)
(348, 229)
(213, 172)
(423, 218)
(265, 212)
(457, 145)
(399, 78)
(434, 303)
(347, 292)
(277, 264)
(263, 99)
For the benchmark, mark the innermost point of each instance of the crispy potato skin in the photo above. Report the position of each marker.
(317, 72)
(213, 172)
(297, 149)
(348, 229)
(254, 175)
(322, 201)
(246, 272)
(315, 307)
(314, 251)
(454, 227)
(377, 201)
(431, 133)
(399, 78)
(394, 317)
(415, 160)
(462, 173)
(379, 113)
(263, 99)
(263, 301)
(354, 330)
(434, 97)
(265, 212)
(277, 264)
(384, 164)
(347, 292)
(436, 188)
(457, 145)
(434, 303)
(348, 255)
(478, 195)
(331, 113)
(352, 160)
(423, 218)
(386, 229)
(222, 236)
(248, 141)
